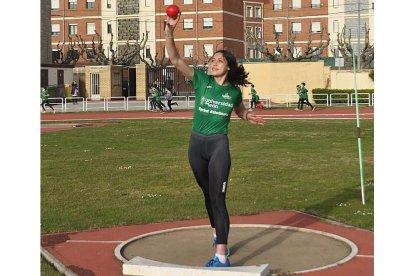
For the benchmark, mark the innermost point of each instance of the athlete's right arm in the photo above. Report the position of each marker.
(175, 58)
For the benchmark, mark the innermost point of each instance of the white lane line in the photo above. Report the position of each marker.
(365, 256)
(86, 241)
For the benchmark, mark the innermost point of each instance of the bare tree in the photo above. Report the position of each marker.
(96, 53)
(345, 48)
(255, 42)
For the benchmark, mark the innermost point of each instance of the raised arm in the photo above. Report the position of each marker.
(250, 116)
(175, 58)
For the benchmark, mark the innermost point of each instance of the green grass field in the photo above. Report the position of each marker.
(136, 171)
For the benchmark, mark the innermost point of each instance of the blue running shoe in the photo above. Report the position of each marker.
(216, 263)
(215, 242)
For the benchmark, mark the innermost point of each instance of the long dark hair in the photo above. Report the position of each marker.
(237, 75)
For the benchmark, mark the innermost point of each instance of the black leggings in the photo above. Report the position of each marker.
(301, 101)
(46, 102)
(209, 157)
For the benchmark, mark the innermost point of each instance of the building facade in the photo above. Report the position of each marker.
(208, 25)
(350, 14)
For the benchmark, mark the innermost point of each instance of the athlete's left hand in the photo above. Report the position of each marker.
(254, 119)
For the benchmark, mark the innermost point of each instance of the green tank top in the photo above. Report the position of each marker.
(213, 104)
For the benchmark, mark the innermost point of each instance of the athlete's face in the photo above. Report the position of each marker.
(217, 65)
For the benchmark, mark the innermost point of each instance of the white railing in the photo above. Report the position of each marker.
(133, 103)
(188, 102)
(326, 99)
(75, 106)
(291, 98)
(182, 102)
(266, 102)
(361, 99)
(95, 103)
(112, 102)
(340, 98)
(61, 104)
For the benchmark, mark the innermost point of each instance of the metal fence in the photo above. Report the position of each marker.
(78, 104)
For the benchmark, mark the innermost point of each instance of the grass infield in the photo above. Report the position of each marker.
(136, 171)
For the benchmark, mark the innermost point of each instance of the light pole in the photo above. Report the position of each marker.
(359, 37)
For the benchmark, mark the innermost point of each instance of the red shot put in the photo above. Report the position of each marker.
(172, 11)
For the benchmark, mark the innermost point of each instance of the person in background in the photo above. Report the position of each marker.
(74, 92)
(217, 94)
(303, 97)
(157, 96)
(44, 95)
(169, 97)
(255, 97)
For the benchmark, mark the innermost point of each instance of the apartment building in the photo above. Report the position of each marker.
(350, 13)
(299, 21)
(206, 26)
(70, 18)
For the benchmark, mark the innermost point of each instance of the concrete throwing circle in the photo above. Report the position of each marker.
(286, 249)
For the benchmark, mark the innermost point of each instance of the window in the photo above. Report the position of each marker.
(188, 1)
(316, 4)
(109, 27)
(207, 23)
(90, 4)
(73, 29)
(296, 4)
(335, 26)
(55, 5)
(258, 12)
(207, 1)
(73, 4)
(168, 2)
(90, 28)
(249, 30)
(278, 28)
(147, 51)
(317, 52)
(258, 32)
(296, 27)
(297, 51)
(188, 51)
(278, 54)
(208, 48)
(316, 27)
(55, 54)
(108, 3)
(277, 5)
(147, 3)
(188, 24)
(89, 53)
(55, 29)
(335, 3)
(249, 11)
(251, 53)
(73, 54)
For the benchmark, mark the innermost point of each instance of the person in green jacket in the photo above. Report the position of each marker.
(157, 96)
(255, 98)
(217, 94)
(44, 96)
(303, 98)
